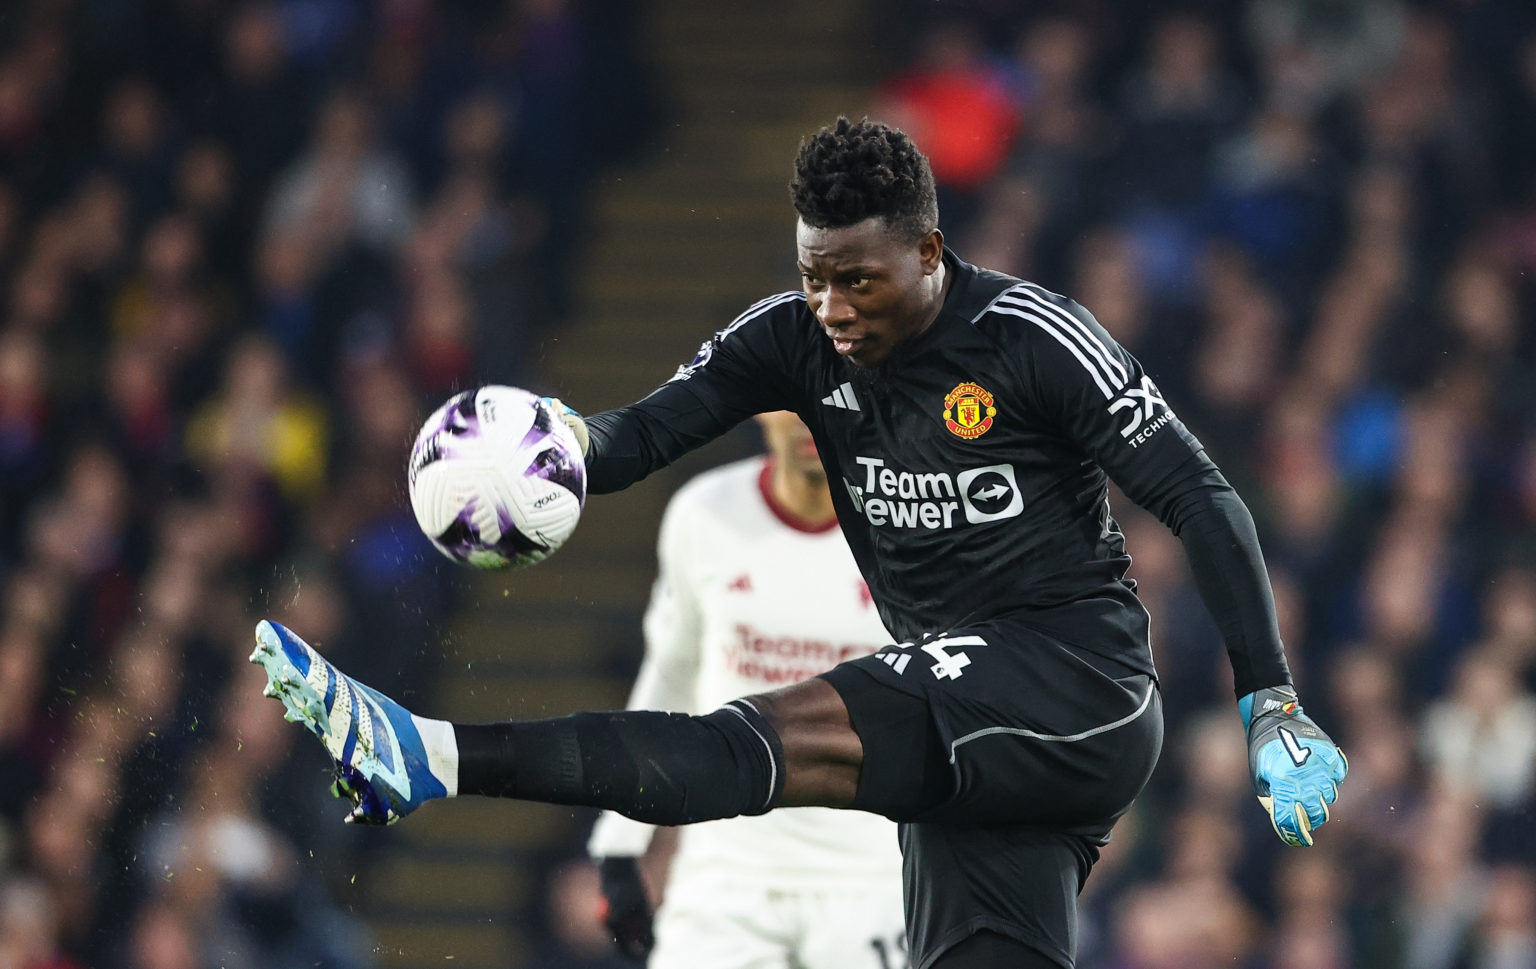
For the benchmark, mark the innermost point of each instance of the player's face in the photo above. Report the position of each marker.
(870, 287)
(790, 442)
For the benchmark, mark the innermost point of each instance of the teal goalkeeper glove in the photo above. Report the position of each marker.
(573, 421)
(1296, 768)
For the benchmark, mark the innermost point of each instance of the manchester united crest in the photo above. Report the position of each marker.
(968, 411)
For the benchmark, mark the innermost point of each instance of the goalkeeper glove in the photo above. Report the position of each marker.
(572, 420)
(1296, 768)
(628, 913)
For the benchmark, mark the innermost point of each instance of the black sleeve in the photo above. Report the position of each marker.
(742, 370)
(1105, 403)
(1222, 545)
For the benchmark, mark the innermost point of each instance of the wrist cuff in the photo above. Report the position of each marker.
(1271, 699)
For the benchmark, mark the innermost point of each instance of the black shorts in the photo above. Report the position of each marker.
(1007, 757)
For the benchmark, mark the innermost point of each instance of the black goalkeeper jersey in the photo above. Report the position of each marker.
(969, 470)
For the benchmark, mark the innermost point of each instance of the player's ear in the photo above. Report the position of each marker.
(930, 251)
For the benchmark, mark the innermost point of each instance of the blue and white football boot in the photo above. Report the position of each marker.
(382, 762)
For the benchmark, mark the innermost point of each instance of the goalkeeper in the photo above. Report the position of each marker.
(969, 423)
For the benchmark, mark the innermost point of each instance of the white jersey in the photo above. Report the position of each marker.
(748, 601)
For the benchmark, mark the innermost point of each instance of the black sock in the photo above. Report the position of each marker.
(991, 950)
(662, 768)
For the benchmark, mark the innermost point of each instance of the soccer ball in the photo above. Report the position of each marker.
(497, 479)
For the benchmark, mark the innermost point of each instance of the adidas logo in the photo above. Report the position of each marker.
(896, 661)
(842, 398)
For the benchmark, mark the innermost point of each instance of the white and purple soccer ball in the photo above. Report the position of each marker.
(497, 479)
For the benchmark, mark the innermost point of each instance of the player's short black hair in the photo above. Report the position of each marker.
(851, 171)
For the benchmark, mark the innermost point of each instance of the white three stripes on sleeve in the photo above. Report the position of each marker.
(758, 309)
(707, 348)
(1069, 331)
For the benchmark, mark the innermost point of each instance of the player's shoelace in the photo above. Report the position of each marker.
(380, 767)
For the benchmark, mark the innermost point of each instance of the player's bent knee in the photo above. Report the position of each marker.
(822, 753)
(904, 770)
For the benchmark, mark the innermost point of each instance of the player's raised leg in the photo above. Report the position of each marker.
(663, 768)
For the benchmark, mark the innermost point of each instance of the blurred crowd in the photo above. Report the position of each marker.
(245, 244)
(1316, 226)
(244, 247)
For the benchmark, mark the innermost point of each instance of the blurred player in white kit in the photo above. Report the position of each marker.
(757, 590)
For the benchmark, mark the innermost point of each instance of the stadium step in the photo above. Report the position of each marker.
(448, 884)
(476, 828)
(677, 247)
(488, 943)
(481, 698)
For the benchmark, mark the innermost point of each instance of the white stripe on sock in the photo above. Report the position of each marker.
(442, 747)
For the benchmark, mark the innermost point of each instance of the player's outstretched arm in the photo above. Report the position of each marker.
(1295, 767)
(745, 369)
(1115, 412)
